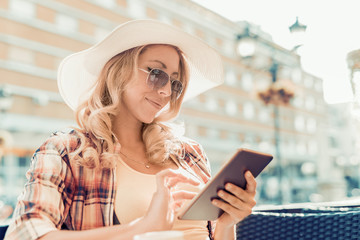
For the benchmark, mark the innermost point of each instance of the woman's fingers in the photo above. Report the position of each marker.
(246, 195)
(251, 182)
(237, 193)
(169, 178)
(237, 214)
(237, 197)
(183, 195)
(180, 197)
(237, 203)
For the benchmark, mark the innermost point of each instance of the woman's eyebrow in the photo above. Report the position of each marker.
(163, 65)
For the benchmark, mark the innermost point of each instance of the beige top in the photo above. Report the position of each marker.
(133, 196)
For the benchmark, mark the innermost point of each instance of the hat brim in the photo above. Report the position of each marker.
(79, 71)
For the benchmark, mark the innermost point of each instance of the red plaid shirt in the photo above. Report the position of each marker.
(59, 193)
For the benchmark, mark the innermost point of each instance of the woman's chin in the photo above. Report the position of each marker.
(148, 120)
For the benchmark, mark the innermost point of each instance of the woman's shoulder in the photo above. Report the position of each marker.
(66, 140)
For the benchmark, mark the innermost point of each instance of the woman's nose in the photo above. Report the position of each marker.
(165, 90)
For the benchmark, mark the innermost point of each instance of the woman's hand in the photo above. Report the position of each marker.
(238, 204)
(167, 199)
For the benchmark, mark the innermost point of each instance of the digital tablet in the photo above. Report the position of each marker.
(200, 207)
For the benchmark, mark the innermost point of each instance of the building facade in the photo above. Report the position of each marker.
(36, 34)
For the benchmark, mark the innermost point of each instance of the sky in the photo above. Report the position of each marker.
(333, 30)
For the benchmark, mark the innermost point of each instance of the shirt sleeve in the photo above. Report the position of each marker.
(197, 160)
(46, 196)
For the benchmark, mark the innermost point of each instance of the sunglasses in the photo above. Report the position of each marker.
(157, 79)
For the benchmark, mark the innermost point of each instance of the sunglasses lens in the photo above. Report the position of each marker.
(176, 88)
(158, 79)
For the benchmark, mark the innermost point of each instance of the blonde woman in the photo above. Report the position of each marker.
(123, 171)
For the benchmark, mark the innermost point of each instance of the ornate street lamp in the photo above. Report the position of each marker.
(276, 94)
(298, 32)
(246, 46)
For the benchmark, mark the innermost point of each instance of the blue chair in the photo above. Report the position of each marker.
(301, 224)
(3, 229)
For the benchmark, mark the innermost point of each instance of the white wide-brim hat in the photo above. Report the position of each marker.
(79, 71)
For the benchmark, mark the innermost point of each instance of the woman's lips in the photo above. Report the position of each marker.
(154, 103)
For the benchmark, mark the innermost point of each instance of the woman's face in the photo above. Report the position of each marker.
(140, 102)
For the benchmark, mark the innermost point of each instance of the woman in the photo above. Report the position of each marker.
(124, 171)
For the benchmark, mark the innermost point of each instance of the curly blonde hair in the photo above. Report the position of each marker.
(95, 115)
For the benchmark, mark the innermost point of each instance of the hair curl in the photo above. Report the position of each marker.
(94, 116)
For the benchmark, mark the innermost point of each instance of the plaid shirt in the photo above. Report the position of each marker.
(61, 194)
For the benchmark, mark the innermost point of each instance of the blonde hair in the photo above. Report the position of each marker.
(94, 116)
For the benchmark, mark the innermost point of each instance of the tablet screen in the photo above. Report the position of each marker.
(201, 208)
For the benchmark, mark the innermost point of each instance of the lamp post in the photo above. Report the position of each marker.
(276, 94)
(298, 32)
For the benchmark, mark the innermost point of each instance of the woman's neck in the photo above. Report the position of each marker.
(128, 133)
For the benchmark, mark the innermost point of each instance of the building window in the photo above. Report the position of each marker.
(311, 125)
(310, 103)
(211, 104)
(298, 102)
(23, 9)
(228, 48)
(249, 140)
(264, 146)
(66, 23)
(249, 110)
(264, 115)
(165, 18)
(230, 77)
(313, 147)
(308, 82)
(247, 81)
(301, 148)
(106, 3)
(100, 34)
(137, 8)
(230, 107)
(299, 123)
(296, 75)
(232, 136)
(21, 55)
(24, 161)
(284, 73)
(212, 133)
